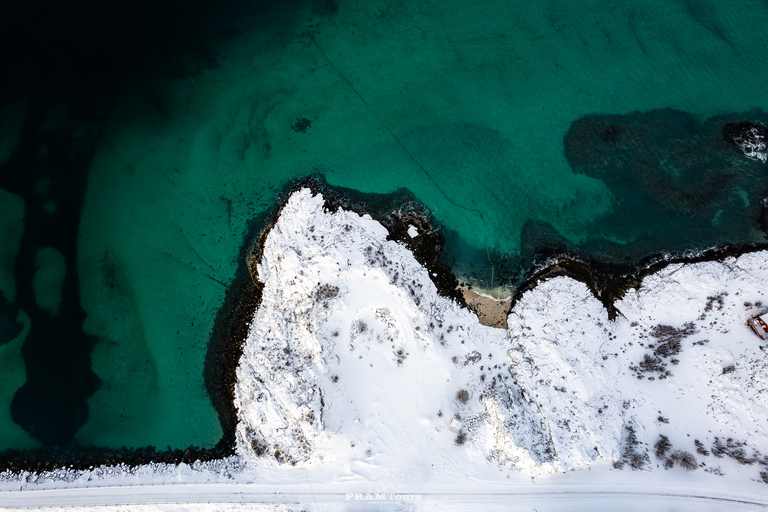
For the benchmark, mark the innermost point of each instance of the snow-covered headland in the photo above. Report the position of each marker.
(353, 359)
(358, 376)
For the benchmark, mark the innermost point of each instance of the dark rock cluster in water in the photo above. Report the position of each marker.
(749, 138)
(301, 125)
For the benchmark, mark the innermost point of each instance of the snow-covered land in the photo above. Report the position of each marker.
(358, 377)
(353, 360)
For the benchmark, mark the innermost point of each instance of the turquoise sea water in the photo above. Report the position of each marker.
(481, 110)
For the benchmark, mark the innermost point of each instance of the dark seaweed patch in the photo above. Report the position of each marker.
(301, 125)
(678, 182)
(51, 404)
(10, 327)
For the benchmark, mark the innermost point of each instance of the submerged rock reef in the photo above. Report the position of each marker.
(354, 361)
(749, 138)
(678, 183)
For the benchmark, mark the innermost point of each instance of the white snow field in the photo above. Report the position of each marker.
(360, 388)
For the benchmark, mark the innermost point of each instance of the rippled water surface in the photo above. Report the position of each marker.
(137, 152)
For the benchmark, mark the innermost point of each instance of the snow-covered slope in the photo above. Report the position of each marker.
(353, 358)
(354, 361)
(680, 362)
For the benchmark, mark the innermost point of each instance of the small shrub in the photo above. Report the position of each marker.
(461, 438)
(638, 460)
(700, 448)
(462, 396)
(635, 459)
(669, 344)
(668, 349)
(326, 292)
(728, 369)
(258, 447)
(684, 460)
(735, 450)
(661, 447)
(716, 299)
(652, 364)
(670, 337)
(472, 358)
(281, 457)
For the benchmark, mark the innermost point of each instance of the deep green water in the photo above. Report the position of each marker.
(484, 111)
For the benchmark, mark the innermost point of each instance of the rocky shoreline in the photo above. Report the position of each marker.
(609, 287)
(244, 296)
